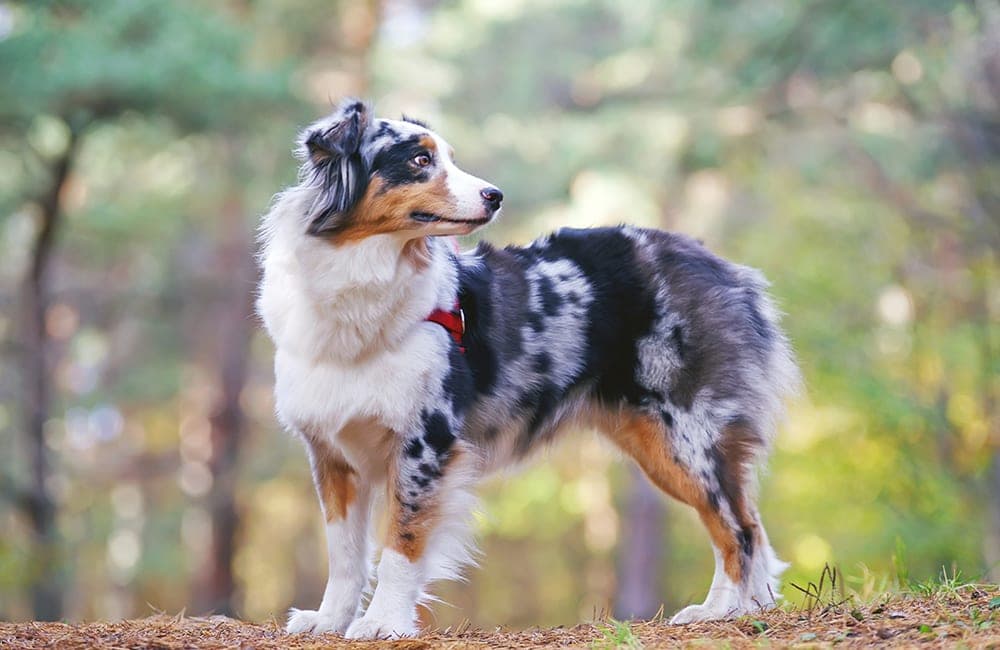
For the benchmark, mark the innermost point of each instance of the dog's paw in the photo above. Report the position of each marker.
(313, 622)
(699, 613)
(371, 627)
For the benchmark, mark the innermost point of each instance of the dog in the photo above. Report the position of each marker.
(411, 370)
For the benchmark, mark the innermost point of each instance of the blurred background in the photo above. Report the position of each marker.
(850, 149)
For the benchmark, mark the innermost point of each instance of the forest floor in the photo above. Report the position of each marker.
(966, 616)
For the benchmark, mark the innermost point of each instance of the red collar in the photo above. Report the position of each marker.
(453, 321)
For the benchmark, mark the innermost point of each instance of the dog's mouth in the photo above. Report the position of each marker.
(428, 217)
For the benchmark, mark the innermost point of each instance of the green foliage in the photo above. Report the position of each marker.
(941, 585)
(900, 569)
(84, 61)
(616, 634)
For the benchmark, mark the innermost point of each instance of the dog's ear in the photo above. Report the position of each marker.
(332, 149)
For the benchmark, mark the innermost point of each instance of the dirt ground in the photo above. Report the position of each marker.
(967, 616)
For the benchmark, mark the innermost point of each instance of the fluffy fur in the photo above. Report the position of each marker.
(675, 354)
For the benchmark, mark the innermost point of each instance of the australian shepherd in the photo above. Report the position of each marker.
(412, 370)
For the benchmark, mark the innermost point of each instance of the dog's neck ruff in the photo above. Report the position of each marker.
(340, 304)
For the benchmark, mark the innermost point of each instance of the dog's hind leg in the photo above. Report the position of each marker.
(346, 506)
(716, 480)
(429, 505)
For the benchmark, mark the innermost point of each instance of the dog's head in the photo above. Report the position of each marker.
(375, 176)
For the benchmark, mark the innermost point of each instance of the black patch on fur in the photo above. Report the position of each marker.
(393, 165)
(692, 375)
(474, 295)
(510, 301)
(551, 301)
(414, 448)
(494, 296)
(542, 363)
(540, 402)
(511, 347)
(457, 384)
(677, 336)
(429, 471)
(713, 500)
(437, 433)
(745, 537)
(535, 322)
(668, 419)
(622, 310)
(413, 120)
(384, 129)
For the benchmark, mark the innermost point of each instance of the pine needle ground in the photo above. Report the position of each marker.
(946, 616)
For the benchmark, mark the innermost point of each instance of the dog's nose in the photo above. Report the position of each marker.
(492, 196)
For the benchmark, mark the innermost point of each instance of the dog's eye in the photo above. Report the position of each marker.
(421, 160)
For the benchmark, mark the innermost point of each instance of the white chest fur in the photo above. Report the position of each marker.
(388, 389)
(349, 325)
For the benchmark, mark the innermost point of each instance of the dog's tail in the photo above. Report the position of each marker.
(781, 379)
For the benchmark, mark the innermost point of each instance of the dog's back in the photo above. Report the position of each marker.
(618, 317)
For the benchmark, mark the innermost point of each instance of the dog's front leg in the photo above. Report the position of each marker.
(427, 481)
(346, 506)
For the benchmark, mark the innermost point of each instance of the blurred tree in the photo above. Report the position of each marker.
(641, 585)
(76, 65)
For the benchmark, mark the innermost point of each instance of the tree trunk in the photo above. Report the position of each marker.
(989, 384)
(235, 323)
(38, 502)
(991, 543)
(640, 587)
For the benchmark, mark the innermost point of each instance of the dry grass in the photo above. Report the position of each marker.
(943, 616)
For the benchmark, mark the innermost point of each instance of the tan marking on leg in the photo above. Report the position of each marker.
(646, 440)
(738, 446)
(409, 535)
(335, 479)
(409, 530)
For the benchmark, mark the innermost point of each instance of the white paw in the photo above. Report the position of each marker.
(698, 613)
(309, 620)
(371, 627)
